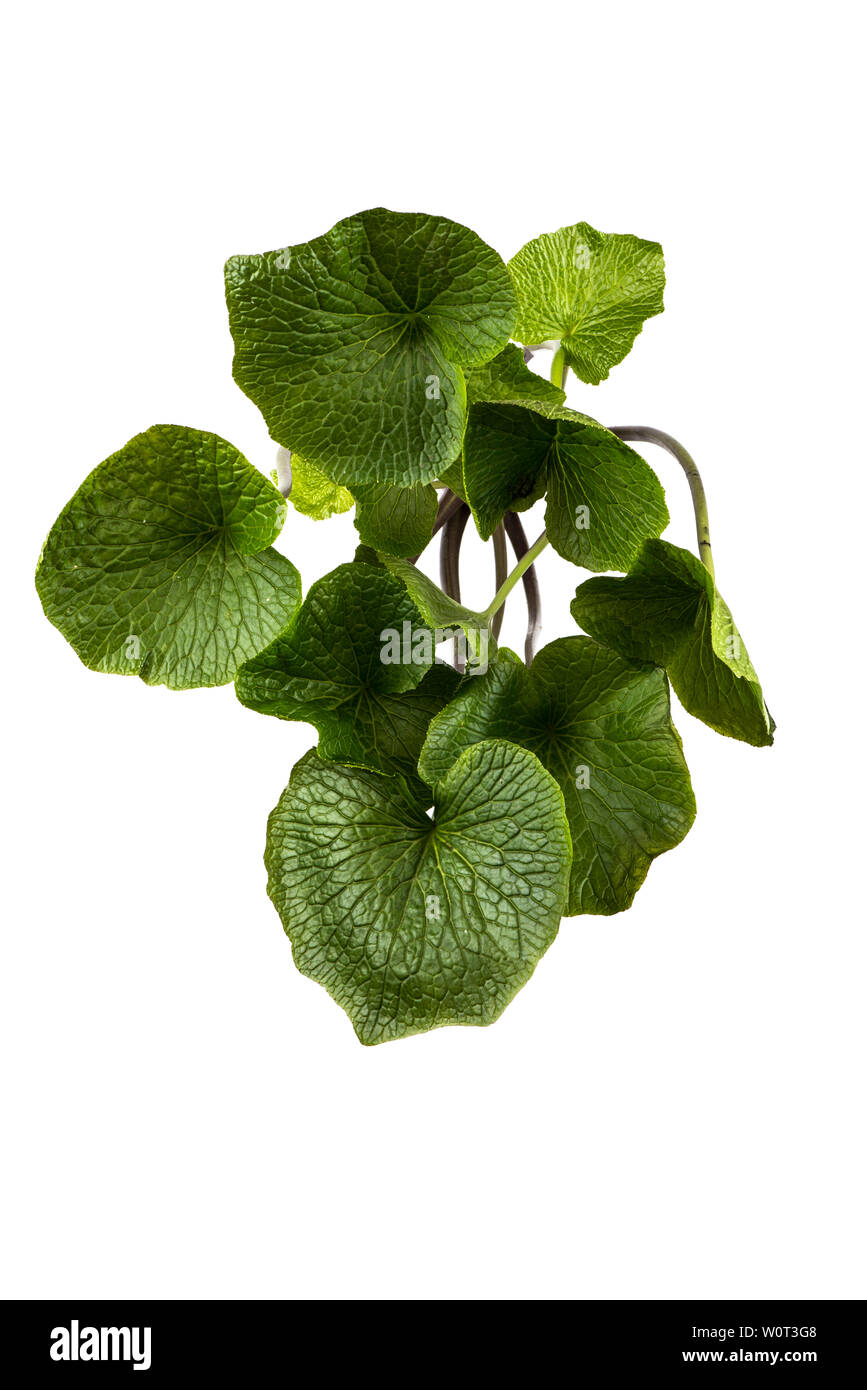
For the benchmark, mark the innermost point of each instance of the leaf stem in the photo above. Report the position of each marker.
(559, 369)
(699, 499)
(450, 546)
(501, 570)
(522, 566)
(450, 579)
(449, 504)
(518, 537)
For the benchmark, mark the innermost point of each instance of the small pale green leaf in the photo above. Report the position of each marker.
(396, 520)
(667, 610)
(414, 922)
(313, 494)
(354, 345)
(589, 290)
(604, 500)
(602, 727)
(160, 565)
(358, 664)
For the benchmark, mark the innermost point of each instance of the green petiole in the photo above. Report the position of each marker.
(520, 569)
(649, 435)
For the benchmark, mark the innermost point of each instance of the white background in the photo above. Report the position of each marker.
(674, 1106)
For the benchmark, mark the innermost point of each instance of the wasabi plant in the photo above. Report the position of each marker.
(423, 854)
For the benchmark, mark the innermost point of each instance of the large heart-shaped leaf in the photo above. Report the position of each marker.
(354, 345)
(602, 727)
(412, 922)
(603, 500)
(160, 565)
(589, 290)
(358, 664)
(668, 610)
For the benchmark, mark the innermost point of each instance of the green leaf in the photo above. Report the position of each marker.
(505, 379)
(370, 696)
(364, 555)
(602, 727)
(397, 520)
(444, 613)
(603, 499)
(590, 291)
(313, 494)
(411, 922)
(667, 610)
(160, 566)
(353, 345)
(453, 477)
(508, 379)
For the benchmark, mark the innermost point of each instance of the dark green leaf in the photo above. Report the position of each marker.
(397, 520)
(453, 477)
(160, 566)
(353, 345)
(414, 922)
(602, 727)
(370, 695)
(603, 499)
(444, 613)
(507, 379)
(365, 556)
(667, 610)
